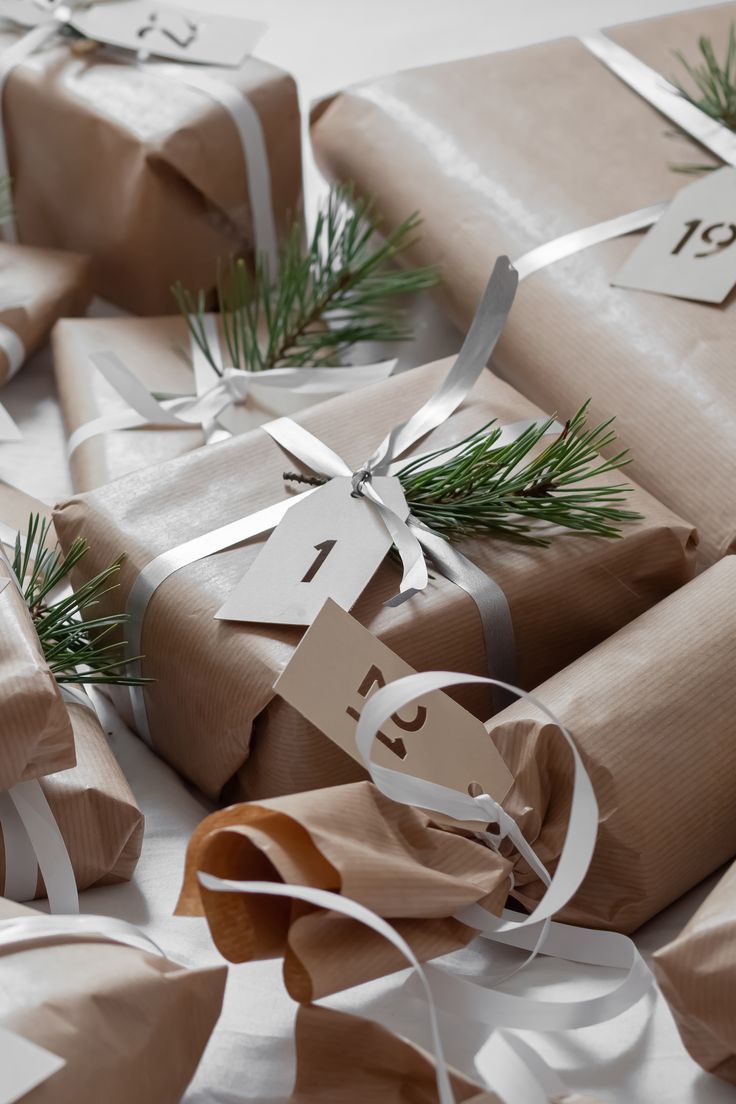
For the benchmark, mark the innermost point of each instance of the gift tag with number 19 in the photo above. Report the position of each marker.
(691, 251)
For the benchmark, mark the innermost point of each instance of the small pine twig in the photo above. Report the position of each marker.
(715, 88)
(335, 292)
(77, 650)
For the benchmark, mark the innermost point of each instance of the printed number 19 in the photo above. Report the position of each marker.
(706, 236)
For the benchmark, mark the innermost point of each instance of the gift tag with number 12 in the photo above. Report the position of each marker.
(691, 251)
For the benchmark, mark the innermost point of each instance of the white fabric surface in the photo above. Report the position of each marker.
(633, 1059)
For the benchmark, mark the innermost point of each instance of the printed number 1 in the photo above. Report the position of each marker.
(323, 549)
(397, 746)
(706, 236)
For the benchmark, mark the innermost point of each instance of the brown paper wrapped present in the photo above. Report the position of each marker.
(36, 734)
(508, 152)
(696, 975)
(352, 840)
(157, 351)
(632, 705)
(41, 285)
(217, 678)
(129, 1025)
(94, 808)
(161, 192)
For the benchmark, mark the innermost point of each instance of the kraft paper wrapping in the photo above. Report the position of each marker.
(216, 678)
(49, 284)
(352, 840)
(94, 808)
(632, 705)
(156, 350)
(130, 1025)
(161, 192)
(36, 736)
(490, 150)
(696, 975)
(335, 1049)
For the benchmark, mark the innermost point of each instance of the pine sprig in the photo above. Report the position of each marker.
(339, 290)
(76, 650)
(481, 488)
(715, 88)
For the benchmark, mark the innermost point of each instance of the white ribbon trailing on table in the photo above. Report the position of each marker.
(244, 117)
(535, 932)
(477, 347)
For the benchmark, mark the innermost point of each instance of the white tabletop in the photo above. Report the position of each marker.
(635, 1059)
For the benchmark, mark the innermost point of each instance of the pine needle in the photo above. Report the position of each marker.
(714, 88)
(77, 650)
(481, 488)
(339, 290)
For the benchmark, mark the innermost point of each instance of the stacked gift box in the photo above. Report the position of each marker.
(550, 513)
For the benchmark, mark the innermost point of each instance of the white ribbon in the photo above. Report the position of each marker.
(461, 996)
(244, 117)
(202, 411)
(32, 841)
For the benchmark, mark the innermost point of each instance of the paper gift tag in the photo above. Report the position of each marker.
(172, 31)
(23, 1066)
(336, 668)
(691, 251)
(327, 546)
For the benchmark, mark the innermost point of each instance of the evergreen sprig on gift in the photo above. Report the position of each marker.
(76, 650)
(481, 488)
(715, 87)
(341, 289)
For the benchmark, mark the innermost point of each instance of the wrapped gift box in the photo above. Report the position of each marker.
(696, 975)
(36, 734)
(216, 678)
(129, 1025)
(508, 152)
(143, 173)
(157, 352)
(633, 705)
(40, 286)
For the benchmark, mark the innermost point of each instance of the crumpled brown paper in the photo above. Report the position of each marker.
(49, 284)
(633, 705)
(506, 152)
(211, 710)
(161, 192)
(130, 1026)
(696, 974)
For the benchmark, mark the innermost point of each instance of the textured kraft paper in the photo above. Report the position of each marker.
(51, 283)
(696, 974)
(214, 680)
(157, 351)
(651, 711)
(160, 192)
(36, 736)
(129, 1025)
(351, 840)
(94, 808)
(507, 152)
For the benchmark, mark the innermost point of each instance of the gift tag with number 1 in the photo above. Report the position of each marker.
(691, 251)
(327, 546)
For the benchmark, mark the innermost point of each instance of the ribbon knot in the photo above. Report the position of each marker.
(497, 815)
(359, 480)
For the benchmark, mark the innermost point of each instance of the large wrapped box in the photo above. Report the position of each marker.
(211, 710)
(632, 705)
(129, 1025)
(508, 152)
(696, 974)
(142, 172)
(36, 733)
(41, 285)
(158, 353)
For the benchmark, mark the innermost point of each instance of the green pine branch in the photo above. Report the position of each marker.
(341, 288)
(481, 488)
(77, 650)
(714, 88)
